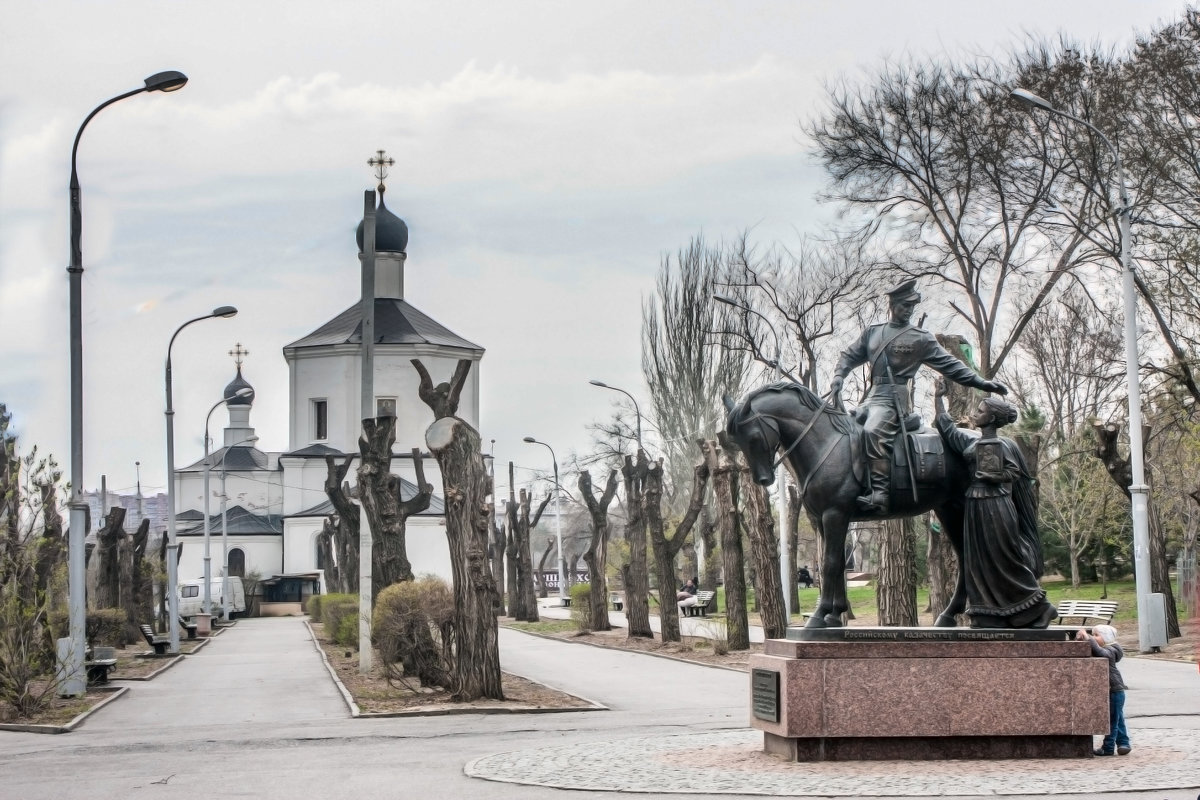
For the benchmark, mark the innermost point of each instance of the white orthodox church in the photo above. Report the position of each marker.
(276, 500)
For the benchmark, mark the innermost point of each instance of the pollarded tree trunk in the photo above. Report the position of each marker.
(597, 551)
(325, 557)
(108, 549)
(380, 493)
(634, 574)
(52, 550)
(541, 570)
(896, 587)
(1121, 471)
(515, 600)
(139, 600)
(710, 571)
(665, 549)
(498, 551)
(475, 669)
(525, 525)
(343, 523)
(723, 474)
(764, 551)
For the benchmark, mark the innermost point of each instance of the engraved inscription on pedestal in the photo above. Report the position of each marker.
(765, 693)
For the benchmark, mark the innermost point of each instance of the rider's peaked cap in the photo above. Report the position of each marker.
(905, 291)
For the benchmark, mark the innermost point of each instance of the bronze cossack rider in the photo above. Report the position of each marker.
(894, 351)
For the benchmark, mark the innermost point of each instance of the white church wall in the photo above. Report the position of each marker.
(428, 550)
(300, 544)
(263, 553)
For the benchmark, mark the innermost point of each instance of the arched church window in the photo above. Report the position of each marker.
(237, 562)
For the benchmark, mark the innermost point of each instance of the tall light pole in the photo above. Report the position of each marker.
(562, 562)
(1138, 490)
(71, 669)
(172, 545)
(636, 410)
(245, 391)
(785, 554)
(225, 531)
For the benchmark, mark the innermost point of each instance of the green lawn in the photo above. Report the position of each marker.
(862, 598)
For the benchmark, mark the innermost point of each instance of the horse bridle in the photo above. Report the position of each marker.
(760, 417)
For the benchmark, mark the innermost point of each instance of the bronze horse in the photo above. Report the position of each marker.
(821, 445)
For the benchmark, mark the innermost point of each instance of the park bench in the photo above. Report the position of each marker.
(617, 600)
(103, 659)
(1083, 610)
(190, 627)
(159, 643)
(700, 609)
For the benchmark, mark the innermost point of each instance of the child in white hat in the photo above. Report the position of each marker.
(1103, 640)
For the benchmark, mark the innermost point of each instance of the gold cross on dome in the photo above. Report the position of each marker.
(238, 352)
(380, 162)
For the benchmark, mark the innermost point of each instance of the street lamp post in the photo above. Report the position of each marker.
(785, 555)
(172, 545)
(636, 410)
(562, 563)
(1138, 490)
(72, 671)
(245, 391)
(225, 531)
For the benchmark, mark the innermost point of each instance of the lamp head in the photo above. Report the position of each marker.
(601, 384)
(169, 81)
(245, 391)
(530, 440)
(1030, 99)
(225, 311)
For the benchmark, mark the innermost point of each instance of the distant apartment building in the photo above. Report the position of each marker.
(152, 507)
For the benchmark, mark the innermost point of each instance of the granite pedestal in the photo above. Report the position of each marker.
(845, 694)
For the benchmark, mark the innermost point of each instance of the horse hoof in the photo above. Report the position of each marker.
(946, 621)
(833, 621)
(815, 622)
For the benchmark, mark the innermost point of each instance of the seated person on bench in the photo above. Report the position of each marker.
(686, 596)
(804, 577)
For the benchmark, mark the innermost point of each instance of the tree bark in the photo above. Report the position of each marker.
(1121, 471)
(498, 551)
(764, 552)
(342, 524)
(108, 538)
(475, 669)
(896, 584)
(597, 552)
(666, 548)
(139, 607)
(516, 602)
(541, 570)
(722, 472)
(379, 491)
(634, 573)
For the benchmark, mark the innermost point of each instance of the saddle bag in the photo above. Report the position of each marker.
(928, 456)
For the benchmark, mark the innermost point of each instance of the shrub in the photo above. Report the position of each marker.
(313, 606)
(335, 609)
(412, 628)
(25, 660)
(102, 626)
(581, 607)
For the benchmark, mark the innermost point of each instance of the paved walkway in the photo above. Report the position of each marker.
(254, 714)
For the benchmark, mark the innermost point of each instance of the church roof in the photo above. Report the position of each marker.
(235, 459)
(314, 451)
(408, 490)
(237, 384)
(238, 522)
(396, 322)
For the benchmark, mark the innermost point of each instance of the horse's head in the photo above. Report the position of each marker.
(756, 435)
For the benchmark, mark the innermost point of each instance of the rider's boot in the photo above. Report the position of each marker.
(876, 501)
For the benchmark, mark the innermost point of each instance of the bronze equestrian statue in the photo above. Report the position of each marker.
(894, 351)
(833, 458)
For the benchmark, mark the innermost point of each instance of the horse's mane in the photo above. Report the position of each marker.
(842, 421)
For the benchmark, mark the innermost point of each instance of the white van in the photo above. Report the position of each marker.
(191, 597)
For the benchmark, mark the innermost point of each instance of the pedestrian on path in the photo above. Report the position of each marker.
(1103, 640)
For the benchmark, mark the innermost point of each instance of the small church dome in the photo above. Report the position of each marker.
(391, 233)
(231, 391)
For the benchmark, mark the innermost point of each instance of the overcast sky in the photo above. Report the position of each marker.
(548, 154)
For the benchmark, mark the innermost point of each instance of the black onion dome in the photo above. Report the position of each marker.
(391, 232)
(231, 398)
